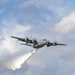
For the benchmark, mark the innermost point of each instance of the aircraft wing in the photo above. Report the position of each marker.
(55, 44)
(27, 40)
(21, 39)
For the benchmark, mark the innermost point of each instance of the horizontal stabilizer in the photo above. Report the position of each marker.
(25, 44)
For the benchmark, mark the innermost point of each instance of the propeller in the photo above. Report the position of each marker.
(35, 41)
(30, 40)
(27, 40)
(48, 43)
(55, 43)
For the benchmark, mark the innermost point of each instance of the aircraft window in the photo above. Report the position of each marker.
(45, 40)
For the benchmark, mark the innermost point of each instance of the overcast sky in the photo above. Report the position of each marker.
(50, 19)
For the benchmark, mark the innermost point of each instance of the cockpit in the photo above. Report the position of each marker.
(44, 40)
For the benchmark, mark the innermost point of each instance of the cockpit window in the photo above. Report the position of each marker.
(45, 40)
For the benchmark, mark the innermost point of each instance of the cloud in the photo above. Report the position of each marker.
(12, 56)
(16, 60)
(9, 29)
(53, 60)
(15, 27)
(26, 4)
(67, 24)
(41, 3)
(46, 12)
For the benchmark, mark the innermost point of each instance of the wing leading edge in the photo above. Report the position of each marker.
(21, 39)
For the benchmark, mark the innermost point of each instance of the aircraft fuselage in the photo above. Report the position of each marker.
(39, 45)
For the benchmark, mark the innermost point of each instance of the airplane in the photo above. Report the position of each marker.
(37, 44)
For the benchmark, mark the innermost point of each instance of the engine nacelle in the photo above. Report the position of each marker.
(27, 40)
(49, 44)
(55, 44)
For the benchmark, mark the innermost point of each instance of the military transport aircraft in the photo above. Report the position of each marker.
(37, 44)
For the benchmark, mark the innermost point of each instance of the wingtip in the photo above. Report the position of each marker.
(65, 44)
(12, 36)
